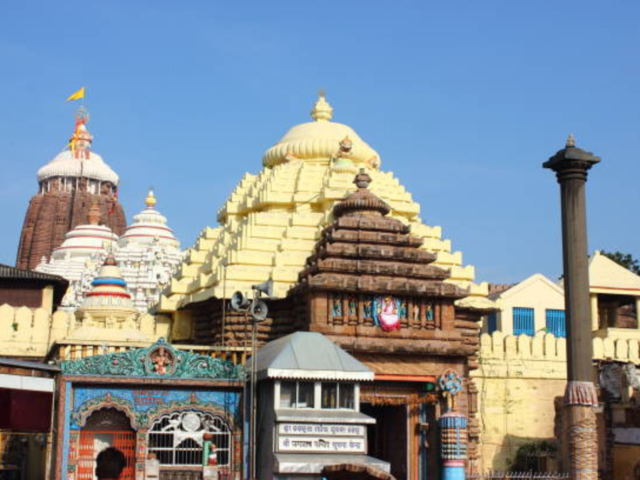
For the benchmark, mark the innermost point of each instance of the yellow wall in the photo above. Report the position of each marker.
(26, 332)
(518, 380)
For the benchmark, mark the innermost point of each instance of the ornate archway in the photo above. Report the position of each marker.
(105, 427)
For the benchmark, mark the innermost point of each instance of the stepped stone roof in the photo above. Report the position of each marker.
(365, 251)
(271, 222)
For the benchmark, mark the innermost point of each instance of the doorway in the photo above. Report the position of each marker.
(388, 438)
(106, 427)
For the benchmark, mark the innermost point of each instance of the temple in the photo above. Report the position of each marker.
(271, 222)
(352, 260)
(148, 253)
(69, 185)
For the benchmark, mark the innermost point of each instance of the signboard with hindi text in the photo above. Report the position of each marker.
(308, 437)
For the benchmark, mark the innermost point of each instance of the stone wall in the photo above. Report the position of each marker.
(518, 380)
(51, 215)
(29, 333)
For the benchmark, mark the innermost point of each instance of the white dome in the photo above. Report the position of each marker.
(148, 227)
(66, 165)
(83, 241)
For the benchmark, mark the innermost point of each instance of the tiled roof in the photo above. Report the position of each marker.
(7, 272)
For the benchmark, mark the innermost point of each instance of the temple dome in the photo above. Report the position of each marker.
(66, 165)
(318, 140)
(79, 160)
(83, 241)
(109, 290)
(149, 226)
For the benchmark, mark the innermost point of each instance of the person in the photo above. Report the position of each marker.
(110, 463)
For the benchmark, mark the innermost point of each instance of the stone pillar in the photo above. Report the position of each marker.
(571, 165)
(453, 445)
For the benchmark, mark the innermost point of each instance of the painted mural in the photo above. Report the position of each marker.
(144, 405)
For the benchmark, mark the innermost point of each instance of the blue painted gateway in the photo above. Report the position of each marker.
(173, 414)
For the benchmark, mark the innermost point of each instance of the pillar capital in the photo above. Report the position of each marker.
(571, 162)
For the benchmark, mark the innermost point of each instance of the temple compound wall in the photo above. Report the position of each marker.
(30, 333)
(518, 382)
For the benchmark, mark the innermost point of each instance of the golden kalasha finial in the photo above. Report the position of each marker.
(571, 141)
(322, 110)
(150, 201)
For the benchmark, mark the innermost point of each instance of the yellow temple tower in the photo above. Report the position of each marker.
(271, 221)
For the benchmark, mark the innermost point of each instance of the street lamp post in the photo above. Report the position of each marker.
(571, 165)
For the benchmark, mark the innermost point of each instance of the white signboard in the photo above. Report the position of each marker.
(318, 444)
(321, 429)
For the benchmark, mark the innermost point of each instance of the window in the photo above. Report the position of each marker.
(346, 396)
(177, 438)
(556, 323)
(338, 395)
(297, 394)
(523, 321)
(492, 322)
(330, 395)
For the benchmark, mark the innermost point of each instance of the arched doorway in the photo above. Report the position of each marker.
(176, 439)
(106, 427)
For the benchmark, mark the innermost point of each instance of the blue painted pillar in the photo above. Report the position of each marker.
(453, 445)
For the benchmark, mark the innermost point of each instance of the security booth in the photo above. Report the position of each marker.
(166, 409)
(308, 409)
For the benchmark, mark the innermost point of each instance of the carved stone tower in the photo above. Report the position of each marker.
(68, 186)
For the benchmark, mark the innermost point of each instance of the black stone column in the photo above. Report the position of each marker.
(571, 165)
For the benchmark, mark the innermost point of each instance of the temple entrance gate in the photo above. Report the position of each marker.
(387, 440)
(106, 427)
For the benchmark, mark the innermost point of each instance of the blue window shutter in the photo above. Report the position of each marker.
(523, 321)
(556, 323)
(492, 322)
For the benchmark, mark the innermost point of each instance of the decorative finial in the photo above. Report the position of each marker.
(362, 179)
(571, 141)
(110, 261)
(82, 114)
(322, 110)
(80, 141)
(150, 201)
(94, 214)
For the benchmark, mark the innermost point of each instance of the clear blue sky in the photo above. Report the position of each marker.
(463, 100)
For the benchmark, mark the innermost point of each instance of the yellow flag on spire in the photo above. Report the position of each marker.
(77, 95)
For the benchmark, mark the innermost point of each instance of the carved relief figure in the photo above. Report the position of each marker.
(388, 314)
(336, 309)
(161, 359)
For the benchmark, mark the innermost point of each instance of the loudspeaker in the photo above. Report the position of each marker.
(239, 303)
(259, 310)
(265, 287)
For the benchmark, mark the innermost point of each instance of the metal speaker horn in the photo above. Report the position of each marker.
(238, 302)
(259, 310)
(265, 287)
